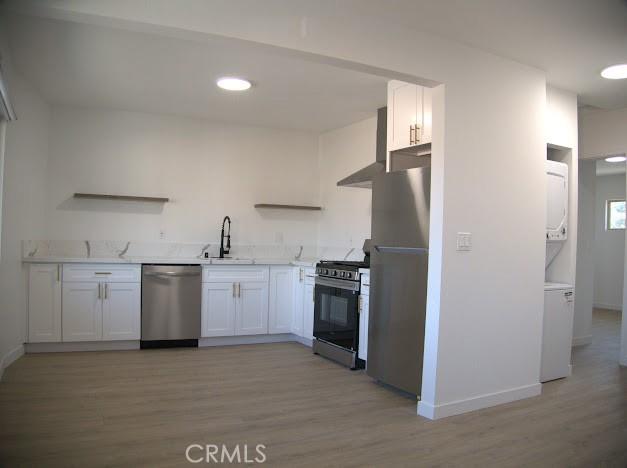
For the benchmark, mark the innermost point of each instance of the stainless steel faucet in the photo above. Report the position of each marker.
(226, 250)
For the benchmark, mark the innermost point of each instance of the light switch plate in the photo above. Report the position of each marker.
(464, 241)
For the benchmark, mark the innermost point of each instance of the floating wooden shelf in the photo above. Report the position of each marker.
(288, 207)
(99, 196)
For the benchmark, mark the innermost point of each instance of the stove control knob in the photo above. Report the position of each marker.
(342, 274)
(326, 271)
(334, 272)
(349, 275)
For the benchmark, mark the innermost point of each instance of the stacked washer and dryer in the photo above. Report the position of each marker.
(557, 330)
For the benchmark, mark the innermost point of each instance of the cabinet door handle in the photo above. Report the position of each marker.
(411, 134)
(416, 135)
(106, 292)
(99, 290)
(58, 273)
(234, 286)
(302, 275)
(239, 290)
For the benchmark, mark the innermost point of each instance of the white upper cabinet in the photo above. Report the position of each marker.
(409, 115)
(281, 299)
(82, 311)
(251, 308)
(44, 303)
(218, 309)
(121, 316)
(427, 115)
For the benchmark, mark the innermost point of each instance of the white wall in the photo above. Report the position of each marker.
(208, 170)
(584, 285)
(562, 137)
(346, 218)
(23, 205)
(484, 321)
(602, 132)
(609, 246)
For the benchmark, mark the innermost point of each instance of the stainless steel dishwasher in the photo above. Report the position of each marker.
(171, 298)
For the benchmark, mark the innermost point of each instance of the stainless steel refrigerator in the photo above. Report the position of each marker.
(398, 277)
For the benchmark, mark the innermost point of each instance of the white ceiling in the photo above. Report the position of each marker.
(572, 40)
(93, 66)
(607, 168)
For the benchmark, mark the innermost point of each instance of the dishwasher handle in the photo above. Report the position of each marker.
(172, 273)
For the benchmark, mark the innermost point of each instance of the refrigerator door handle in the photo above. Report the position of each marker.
(402, 250)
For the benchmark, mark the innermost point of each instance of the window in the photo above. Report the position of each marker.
(615, 214)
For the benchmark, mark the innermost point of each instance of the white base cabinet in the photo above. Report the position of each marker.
(251, 308)
(44, 303)
(218, 309)
(121, 311)
(77, 303)
(364, 312)
(82, 311)
(101, 311)
(82, 302)
(557, 334)
(234, 301)
(303, 309)
(281, 311)
(308, 308)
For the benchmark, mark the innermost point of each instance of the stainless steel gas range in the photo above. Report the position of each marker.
(336, 311)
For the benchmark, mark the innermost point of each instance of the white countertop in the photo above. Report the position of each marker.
(308, 262)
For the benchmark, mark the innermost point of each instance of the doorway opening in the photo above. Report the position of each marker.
(601, 256)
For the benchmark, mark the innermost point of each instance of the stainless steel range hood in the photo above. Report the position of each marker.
(363, 177)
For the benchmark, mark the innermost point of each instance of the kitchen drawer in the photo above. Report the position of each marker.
(234, 273)
(102, 273)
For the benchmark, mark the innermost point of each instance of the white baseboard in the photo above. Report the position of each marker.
(444, 410)
(607, 306)
(252, 339)
(128, 345)
(81, 346)
(582, 340)
(10, 357)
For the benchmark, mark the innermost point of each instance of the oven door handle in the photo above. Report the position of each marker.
(337, 283)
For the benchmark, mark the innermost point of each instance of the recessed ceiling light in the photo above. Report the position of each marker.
(615, 72)
(617, 158)
(233, 84)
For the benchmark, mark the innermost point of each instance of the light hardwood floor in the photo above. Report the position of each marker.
(143, 408)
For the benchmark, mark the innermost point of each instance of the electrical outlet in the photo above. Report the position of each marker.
(162, 235)
(464, 241)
